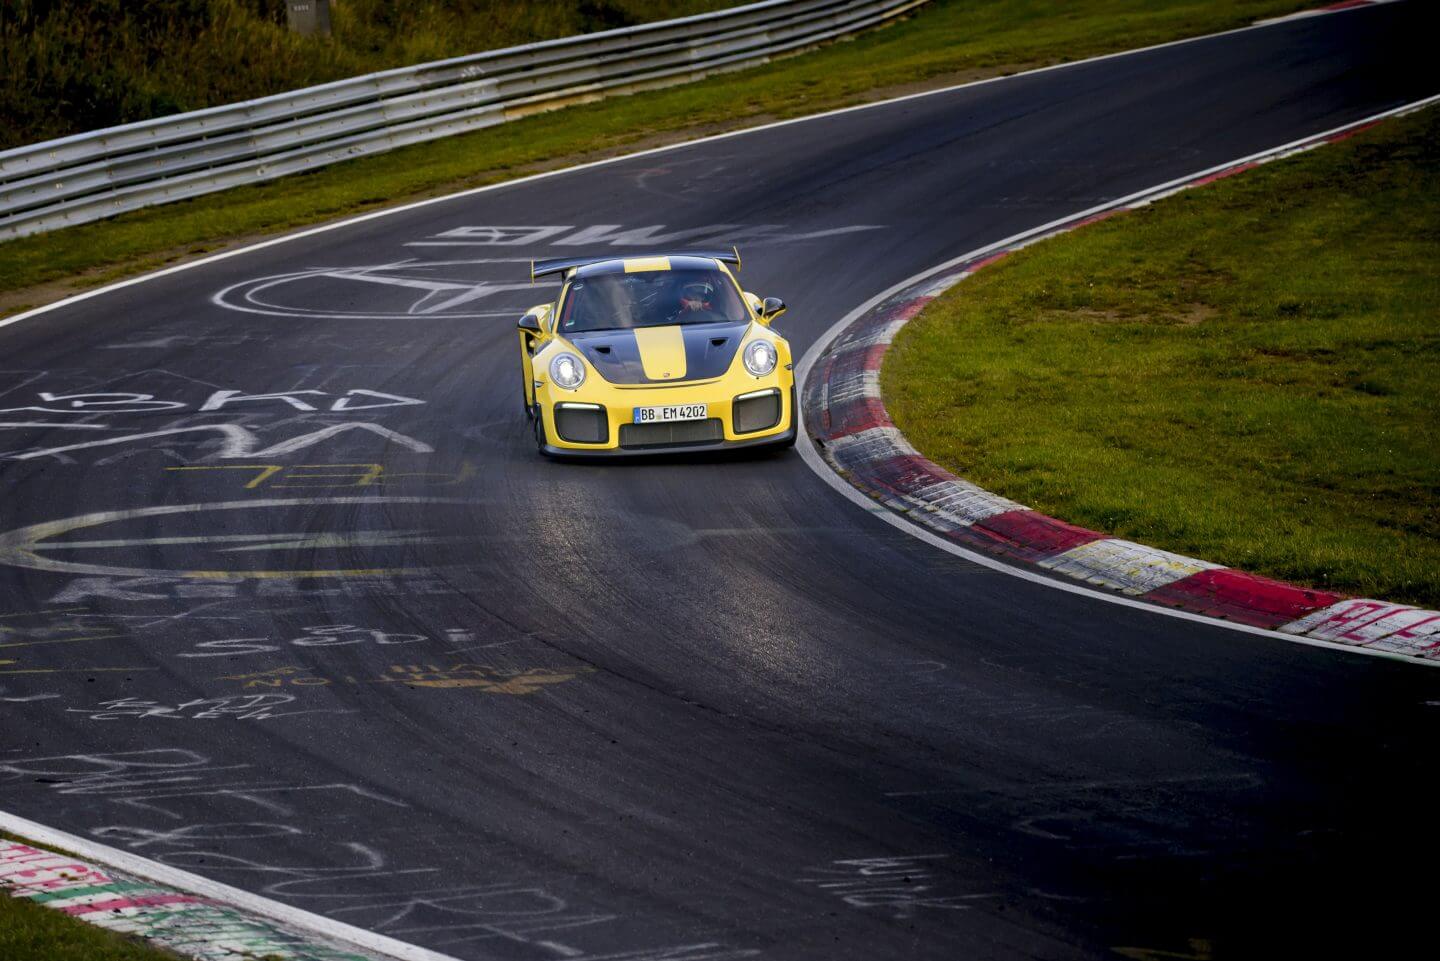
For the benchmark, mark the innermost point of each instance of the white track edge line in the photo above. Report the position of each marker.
(345, 934)
(819, 466)
(415, 205)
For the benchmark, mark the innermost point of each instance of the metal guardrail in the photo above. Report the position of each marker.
(95, 175)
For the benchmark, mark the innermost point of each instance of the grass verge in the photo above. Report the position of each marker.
(33, 932)
(947, 42)
(1244, 373)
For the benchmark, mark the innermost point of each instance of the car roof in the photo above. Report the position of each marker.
(628, 265)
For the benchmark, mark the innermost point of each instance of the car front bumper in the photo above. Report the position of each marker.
(784, 437)
(721, 434)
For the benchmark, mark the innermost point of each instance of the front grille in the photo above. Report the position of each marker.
(582, 425)
(677, 434)
(757, 413)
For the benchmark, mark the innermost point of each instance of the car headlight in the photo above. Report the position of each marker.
(760, 357)
(567, 371)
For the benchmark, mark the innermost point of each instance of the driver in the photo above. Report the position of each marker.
(695, 297)
(696, 301)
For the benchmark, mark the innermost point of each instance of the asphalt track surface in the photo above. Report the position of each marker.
(684, 708)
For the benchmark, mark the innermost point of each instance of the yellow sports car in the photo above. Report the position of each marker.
(654, 354)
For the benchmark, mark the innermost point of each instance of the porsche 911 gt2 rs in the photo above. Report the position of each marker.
(655, 354)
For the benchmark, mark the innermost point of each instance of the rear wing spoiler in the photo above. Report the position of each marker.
(540, 268)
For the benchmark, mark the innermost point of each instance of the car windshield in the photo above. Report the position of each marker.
(651, 298)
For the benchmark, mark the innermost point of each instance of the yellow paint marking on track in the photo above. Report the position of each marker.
(266, 471)
(637, 265)
(662, 352)
(368, 475)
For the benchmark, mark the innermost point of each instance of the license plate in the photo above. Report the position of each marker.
(661, 415)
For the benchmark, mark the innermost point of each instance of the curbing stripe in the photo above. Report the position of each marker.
(189, 914)
(1228, 172)
(1028, 535)
(846, 417)
(1340, 7)
(1379, 625)
(136, 905)
(857, 416)
(921, 485)
(186, 923)
(84, 895)
(1125, 565)
(1247, 598)
(869, 446)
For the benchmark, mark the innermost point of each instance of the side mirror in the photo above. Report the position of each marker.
(530, 324)
(772, 307)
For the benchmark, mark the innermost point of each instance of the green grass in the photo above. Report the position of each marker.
(948, 40)
(1244, 373)
(32, 932)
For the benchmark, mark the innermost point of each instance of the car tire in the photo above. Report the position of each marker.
(794, 424)
(539, 432)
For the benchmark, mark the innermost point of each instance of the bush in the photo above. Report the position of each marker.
(84, 64)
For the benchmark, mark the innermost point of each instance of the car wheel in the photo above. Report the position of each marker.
(539, 431)
(794, 423)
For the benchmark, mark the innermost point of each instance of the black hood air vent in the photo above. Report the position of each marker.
(615, 354)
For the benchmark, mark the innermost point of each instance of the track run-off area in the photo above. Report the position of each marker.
(291, 603)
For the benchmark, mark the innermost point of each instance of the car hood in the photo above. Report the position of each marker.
(662, 355)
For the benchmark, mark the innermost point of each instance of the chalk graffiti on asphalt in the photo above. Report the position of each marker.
(158, 780)
(485, 677)
(174, 587)
(410, 288)
(654, 236)
(219, 441)
(220, 424)
(251, 707)
(253, 824)
(898, 886)
(335, 635)
(131, 402)
(43, 546)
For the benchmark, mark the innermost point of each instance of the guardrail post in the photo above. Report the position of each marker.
(308, 16)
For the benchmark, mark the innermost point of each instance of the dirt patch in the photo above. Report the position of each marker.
(1195, 314)
(1092, 316)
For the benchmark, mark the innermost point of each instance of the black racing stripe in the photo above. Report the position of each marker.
(710, 348)
(615, 354)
